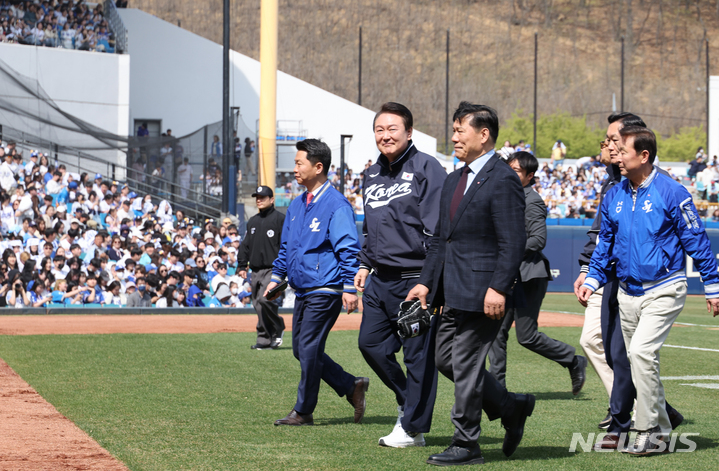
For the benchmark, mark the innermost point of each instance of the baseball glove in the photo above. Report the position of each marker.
(413, 320)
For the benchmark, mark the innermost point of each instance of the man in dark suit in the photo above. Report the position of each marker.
(471, 267)
(535, 275)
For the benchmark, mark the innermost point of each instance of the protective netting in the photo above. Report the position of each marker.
(154, 165)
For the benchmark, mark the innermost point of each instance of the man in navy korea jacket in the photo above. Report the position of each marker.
(318, 256)
(401, 206)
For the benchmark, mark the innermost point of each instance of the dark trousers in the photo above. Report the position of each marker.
(528, 334)
(379, 342)
(463, 340)
(621, 401)
(312, 319)
(270, 324)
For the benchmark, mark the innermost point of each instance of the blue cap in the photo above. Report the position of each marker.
(72, 185)
(98, 176)
(132, 195)
(150, 267)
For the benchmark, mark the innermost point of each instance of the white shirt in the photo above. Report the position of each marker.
(122, 214)
(185, 172)
(7, 177)
(7, 217)
(52, 187)
(476, 166)
(104, 207)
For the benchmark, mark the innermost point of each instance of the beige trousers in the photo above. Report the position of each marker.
(646, 321)
(591, 340)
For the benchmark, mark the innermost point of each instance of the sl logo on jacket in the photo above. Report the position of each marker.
(315, 225)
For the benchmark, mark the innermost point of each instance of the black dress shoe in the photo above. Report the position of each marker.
(295, 418)
(357, 398)
(514, 425)
(604, 424)
(675, 418)
(578, 373)
(257, 346)
(457, 455)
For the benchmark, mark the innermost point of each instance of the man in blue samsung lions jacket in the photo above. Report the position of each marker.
(649, 225)
(318, 256)
(401, 206)
(602, 337)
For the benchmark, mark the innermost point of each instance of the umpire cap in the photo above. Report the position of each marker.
(263, 191)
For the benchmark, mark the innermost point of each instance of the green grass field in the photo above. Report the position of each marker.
(207, 402)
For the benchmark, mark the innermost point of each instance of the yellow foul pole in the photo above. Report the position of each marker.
(267, 146)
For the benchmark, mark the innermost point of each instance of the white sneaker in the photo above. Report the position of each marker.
(401, 439)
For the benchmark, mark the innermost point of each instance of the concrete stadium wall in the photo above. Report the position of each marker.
(176, 76)
(94, 87)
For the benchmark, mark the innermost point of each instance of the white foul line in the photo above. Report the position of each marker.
(692, 348)
(696, 325)
(703, 385)
(690, 378)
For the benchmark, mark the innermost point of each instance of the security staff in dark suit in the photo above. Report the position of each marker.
(535, 275)
(471, 267)
(259, 249)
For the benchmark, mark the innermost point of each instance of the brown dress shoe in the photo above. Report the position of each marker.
(611, 442)
(357, 399)
(295, 418)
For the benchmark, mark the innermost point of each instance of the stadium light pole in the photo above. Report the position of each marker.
(707, 98)
(536, 48)
(227, 146)
(359, 71)
(268, 92)
(342, 161)
(621, 99)
(446, 100)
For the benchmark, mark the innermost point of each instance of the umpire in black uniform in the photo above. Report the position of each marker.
(401, 205)
(259, 249)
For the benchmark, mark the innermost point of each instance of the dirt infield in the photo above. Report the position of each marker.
(35, 436)
(187, 324)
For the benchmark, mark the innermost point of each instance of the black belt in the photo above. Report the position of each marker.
(395, 273)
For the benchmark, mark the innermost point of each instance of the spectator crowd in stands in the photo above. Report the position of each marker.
(68, 24)
(72, 240)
